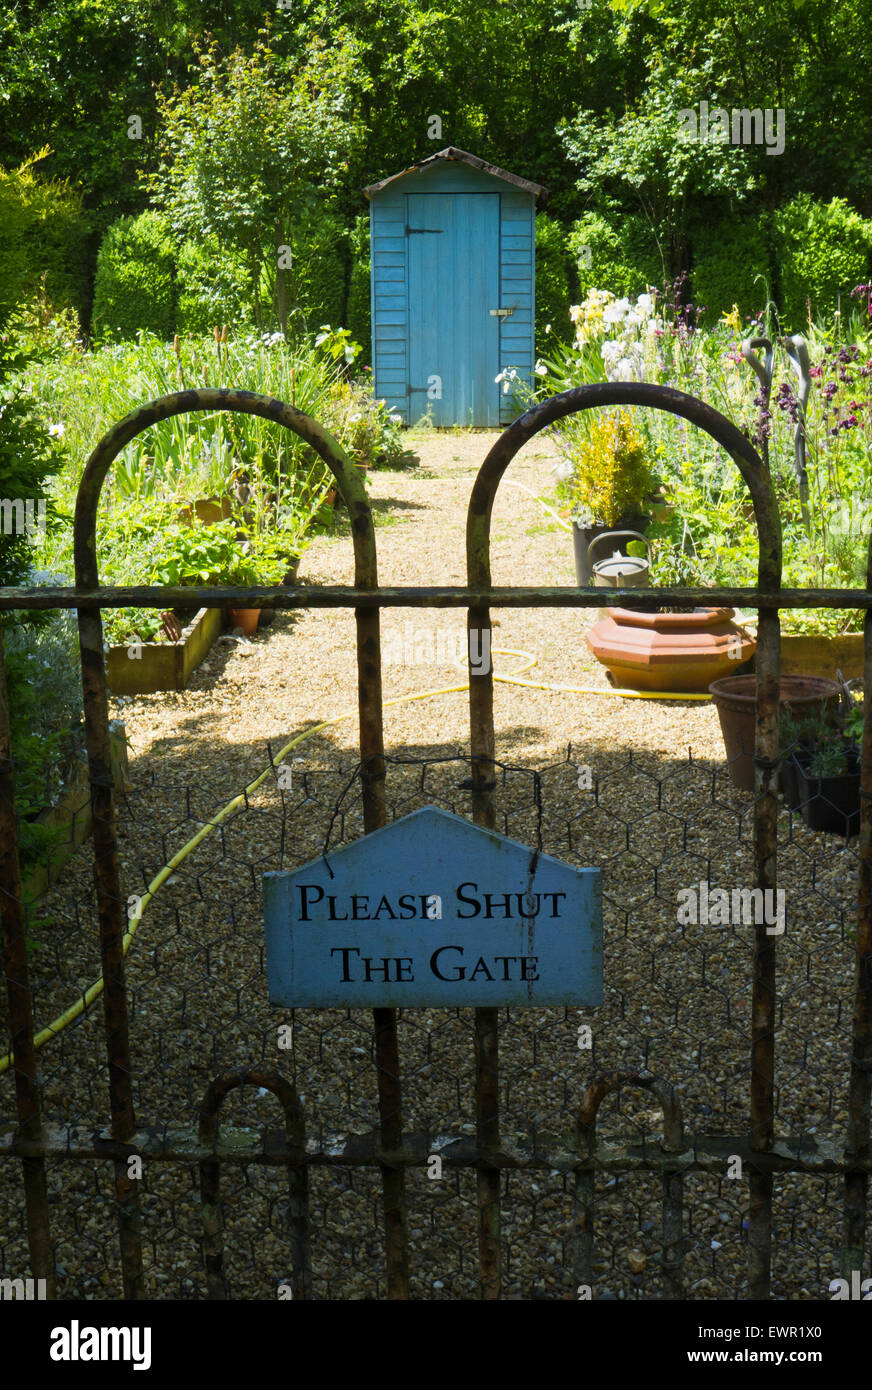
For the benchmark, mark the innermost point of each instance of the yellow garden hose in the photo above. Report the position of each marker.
(142, 901)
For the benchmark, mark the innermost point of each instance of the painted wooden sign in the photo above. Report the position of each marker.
(434, 911)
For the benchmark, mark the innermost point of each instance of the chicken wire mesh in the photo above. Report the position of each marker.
(667, 834)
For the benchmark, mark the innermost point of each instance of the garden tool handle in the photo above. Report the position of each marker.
(763, 370)
(610, 535)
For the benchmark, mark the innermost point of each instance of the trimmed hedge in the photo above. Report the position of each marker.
(319, 262)
(622, 258)
(732, 264)
(358, 312)
(823, 250)
(554, 274)
(135, 284)
(213, 287)
(13, 242)
(43, 232)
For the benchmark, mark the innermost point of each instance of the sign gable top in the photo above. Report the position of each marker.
(412, 834)
(462, 156)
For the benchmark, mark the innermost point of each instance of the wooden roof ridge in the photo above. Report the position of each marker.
(463, 156)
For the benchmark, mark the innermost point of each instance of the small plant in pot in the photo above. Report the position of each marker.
(261, 559)
(820, 773)
(607, 482)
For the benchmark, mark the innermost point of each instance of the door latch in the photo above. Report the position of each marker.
(501, 313)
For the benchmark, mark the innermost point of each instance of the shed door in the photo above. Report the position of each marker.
(453, 249)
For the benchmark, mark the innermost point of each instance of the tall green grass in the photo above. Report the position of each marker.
(203, 454)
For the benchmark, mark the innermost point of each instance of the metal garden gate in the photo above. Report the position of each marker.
(41, 1140)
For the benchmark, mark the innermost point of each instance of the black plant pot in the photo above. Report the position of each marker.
(830, 804)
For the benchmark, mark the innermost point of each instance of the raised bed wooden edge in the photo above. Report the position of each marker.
(72, 814)
(163, 665)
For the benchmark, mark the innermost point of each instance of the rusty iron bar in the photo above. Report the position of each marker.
(763, 996)
(486, 1026)
(20, 1008)
(294, 1157)
(674, 1149)
(112, 923)
(757, 478)
(703, 1153)
(763, 1000)
(857, 1140)
(438, 596)
(97, 741)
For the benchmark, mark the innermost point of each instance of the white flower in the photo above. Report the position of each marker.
(611, 353)
(562, 470)
(540, 369)
(548, 328)
(645, 304)
(396, 419)
(615, 313)
(59, 429)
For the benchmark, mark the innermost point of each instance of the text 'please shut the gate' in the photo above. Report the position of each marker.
(434, 911)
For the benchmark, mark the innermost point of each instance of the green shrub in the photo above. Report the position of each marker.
(13, 241)
(731, 264)
(29, 457)
(43, 242)
(823, 251)
(320, 258)
(134, 288)
(43, 678)
(622, 258)
(358, 312)
(213, 287)
(554, 276)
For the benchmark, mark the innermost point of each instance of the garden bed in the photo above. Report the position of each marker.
(816, 654)
(163, 665)
(71, 816)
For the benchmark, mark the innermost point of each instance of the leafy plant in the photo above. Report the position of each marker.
(134, 288)
(246, 153)
(45, 710)
(611, 478)
(826, 742)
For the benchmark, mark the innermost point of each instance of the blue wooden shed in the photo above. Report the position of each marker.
(453, 281)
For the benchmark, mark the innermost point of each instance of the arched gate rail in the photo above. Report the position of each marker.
(33, 1138)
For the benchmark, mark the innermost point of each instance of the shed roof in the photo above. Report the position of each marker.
(451, 152)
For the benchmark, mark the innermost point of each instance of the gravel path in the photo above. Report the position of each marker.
(662, 816)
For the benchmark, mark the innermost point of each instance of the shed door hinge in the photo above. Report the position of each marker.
(501, 313)
(419, 231)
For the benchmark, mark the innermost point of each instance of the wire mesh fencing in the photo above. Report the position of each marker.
(641, 1196)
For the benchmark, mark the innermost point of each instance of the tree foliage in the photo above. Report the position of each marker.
(244, 155)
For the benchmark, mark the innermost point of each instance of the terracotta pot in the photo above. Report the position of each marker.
(669, 651)
(736, 701)
(246, 619)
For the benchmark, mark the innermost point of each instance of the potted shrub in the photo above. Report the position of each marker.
(606, 479)
(264, 558)
(735, 698)
(821, 771)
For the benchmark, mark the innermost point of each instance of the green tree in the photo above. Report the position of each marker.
(244, 156)
(651, 156)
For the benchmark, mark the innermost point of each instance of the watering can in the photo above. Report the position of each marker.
(619, 571)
